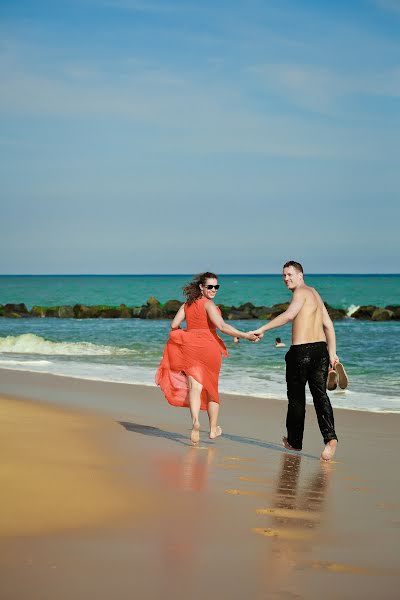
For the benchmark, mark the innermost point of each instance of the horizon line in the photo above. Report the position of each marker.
(325, 274)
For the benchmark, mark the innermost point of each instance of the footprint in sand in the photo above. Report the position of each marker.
(286, 513)
(361, 489)
(259, 480)
(388, 505)
(239, 459)
(235, 492)
(236, 467)
(283, 534)
(334, 567)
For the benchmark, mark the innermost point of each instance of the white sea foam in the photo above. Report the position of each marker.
(29, 343)
(239, 383)
(27, 363)
(352, 309)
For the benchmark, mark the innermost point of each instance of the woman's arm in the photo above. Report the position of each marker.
(178, 318)
(217, 320)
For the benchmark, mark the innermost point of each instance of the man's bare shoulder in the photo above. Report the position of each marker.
(300, 292)
(313, 294)
(305, 294)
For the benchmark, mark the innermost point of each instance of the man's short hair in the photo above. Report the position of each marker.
(295, 265)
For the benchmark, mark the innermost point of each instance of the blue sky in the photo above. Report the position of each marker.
(162, 137)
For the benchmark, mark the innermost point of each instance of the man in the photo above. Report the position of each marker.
(313, 349)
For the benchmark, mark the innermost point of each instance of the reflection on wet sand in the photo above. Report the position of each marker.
(181, 478)
(188, 473)
(293, 516)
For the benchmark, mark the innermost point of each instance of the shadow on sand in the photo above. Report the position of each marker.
(181, 439)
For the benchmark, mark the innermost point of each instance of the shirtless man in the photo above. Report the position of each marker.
(313, 349)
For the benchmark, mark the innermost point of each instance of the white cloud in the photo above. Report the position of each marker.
(180, 114)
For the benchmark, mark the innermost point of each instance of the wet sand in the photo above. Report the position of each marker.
(105, 498)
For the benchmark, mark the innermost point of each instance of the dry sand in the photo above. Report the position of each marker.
(103, 497)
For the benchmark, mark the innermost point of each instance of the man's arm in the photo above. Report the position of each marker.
(290, 313)
(330, 336)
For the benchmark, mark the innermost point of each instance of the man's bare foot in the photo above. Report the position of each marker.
(288, 446)
(329, 451)
(214, 433)
(195, 433)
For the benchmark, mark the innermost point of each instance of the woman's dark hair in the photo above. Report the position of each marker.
(278, 340)
(192, 290)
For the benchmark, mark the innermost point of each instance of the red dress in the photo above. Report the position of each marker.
(196, 351)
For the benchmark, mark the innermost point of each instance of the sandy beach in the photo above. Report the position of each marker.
(103, 497)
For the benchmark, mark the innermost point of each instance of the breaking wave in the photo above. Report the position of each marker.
(29, 343)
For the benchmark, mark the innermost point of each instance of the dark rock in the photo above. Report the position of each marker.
(66, 312)
(52, 311)
(81, 311)
(38, 311)
(62, 312)
(112, 312)
(136, 310)
(170, 308)
(278, 309)
(144, 310)
(396, 314)
(125, 312)
(225, 310)
(235, 315)
(247, 307)
(152, 312)
(382, 314)
(108, 312)
(282, 306)
(364, 312)
(395, 308)
(258, 311)
(153, 301)
(336, 314)
(10, 310)
(267, 316)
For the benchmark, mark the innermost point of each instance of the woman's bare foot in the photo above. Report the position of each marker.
(329, 451)
(214, 433)
(195, 433)
(288, 446)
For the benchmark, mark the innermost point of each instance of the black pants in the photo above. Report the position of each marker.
(308, 363)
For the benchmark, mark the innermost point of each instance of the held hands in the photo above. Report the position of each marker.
(253, 336)
(333, 359)
(258, 333)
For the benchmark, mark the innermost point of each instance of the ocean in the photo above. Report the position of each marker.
(129, 350)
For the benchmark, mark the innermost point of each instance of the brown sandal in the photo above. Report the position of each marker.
(342, 376)
(332, 380)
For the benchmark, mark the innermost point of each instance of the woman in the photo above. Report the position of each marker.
(189, 370)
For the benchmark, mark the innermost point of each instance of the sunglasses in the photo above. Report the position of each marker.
(210, 287)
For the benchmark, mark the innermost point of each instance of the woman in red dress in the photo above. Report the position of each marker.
(189, 370)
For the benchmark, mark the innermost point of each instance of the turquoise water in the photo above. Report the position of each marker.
(341, 291)
(129, 350)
